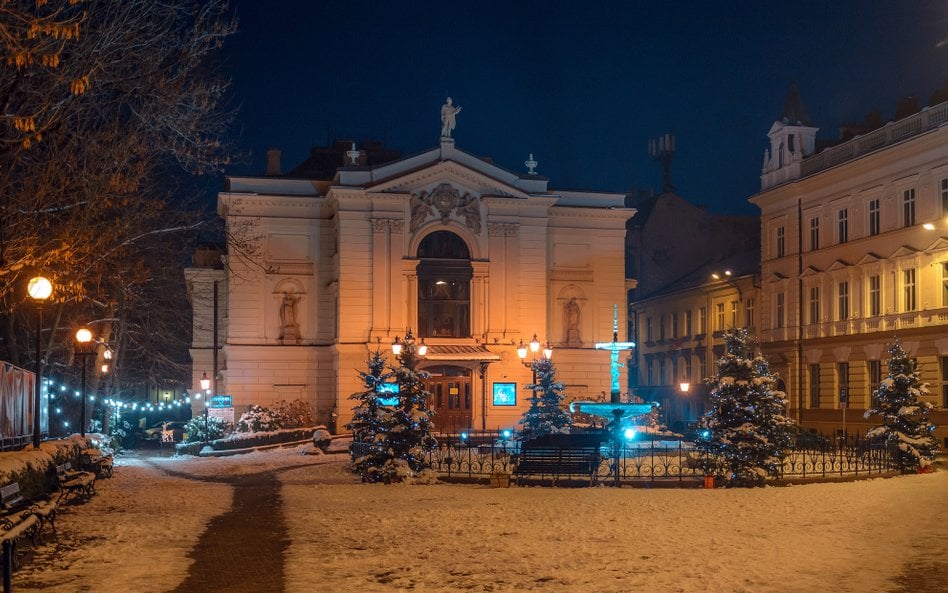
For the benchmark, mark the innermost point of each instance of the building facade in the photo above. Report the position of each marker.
(468, 256)
(695, 277)
(854, 254)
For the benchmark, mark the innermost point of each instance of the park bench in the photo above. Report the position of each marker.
(74, 483)
(100, 465)
(559, 456)
(15, 508)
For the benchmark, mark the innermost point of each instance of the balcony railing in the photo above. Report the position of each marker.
(927, 119)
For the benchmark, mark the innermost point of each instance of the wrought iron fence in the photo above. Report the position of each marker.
(481, 454)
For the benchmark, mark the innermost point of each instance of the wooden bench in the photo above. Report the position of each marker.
(74, 483)
(16, 508)
(100, 465)
(560, 455)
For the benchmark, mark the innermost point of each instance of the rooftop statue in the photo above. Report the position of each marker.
(448, 118)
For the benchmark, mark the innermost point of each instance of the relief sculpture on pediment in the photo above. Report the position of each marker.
(447, 200)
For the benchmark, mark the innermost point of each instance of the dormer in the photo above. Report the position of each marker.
(792, 138)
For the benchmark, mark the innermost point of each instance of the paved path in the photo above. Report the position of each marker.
(243, 549)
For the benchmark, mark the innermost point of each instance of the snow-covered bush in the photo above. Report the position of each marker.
(259, 419)
(195, 432)
(294, 414)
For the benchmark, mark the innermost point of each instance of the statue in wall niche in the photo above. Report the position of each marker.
(289, 327)
(448, 118)
(571, 318)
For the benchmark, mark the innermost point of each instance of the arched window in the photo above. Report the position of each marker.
(444, 286)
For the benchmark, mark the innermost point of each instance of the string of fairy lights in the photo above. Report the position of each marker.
(56, 396)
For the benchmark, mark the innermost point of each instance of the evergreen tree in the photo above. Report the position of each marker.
(370, 422)
(545, 415)
(749, 430)
(905, 427)
(408, 430)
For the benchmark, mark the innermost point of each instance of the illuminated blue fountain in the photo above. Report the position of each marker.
(616, 411)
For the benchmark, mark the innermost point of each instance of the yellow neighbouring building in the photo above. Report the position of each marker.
(854, 253)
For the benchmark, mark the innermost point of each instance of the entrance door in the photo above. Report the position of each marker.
(451, 397)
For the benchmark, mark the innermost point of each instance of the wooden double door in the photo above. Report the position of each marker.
(451, 397)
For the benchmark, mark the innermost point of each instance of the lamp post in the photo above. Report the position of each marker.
(39, 289)
(398, 344)
(84, 349)
(534, 347)
(205, 387)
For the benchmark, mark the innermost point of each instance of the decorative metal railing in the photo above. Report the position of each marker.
(927, 119)
(478, 455)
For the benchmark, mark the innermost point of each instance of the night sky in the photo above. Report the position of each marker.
(581, 85)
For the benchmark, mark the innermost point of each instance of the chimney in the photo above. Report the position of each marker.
(273, 162)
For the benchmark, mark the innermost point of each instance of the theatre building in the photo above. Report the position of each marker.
(324, 265)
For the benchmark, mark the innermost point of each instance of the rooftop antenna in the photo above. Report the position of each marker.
(662, 149)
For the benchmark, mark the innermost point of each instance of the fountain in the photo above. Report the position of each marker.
(616, 411)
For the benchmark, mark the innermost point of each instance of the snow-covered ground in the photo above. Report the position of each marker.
(345, 536)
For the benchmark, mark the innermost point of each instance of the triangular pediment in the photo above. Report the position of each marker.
(869, 258)
(939, 244)
(839, 265)
(467, 179)
(776, 277)
(903, 251)
(810, 271)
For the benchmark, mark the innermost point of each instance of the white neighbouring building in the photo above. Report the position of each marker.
(471, 257)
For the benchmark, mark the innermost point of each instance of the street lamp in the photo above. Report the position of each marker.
(39, 289)
(205, 387)
(84, 349)
(398, 344)
(534, 347)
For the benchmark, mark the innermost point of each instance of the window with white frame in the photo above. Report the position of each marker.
(719, 317)
(944, 197)
(874, 228)
(908, 207)
(909, 290)
(661, 371)
(702, 320)
(874, 368)
(749, 313)
(703, 366)
(944, 284)
(650, 369)
(814, 233)
(688, 368)
(779, 310)
(661, 326)
(688, 322)
(842, 301)
(814, 304)
(842, 378)
(842, 226)
(944, 382)
(648, 331)
(734, 308)
(781, 247)
(815, 385)
(875, 295)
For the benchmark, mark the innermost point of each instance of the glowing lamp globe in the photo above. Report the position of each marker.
(39, 288)
(83, 335)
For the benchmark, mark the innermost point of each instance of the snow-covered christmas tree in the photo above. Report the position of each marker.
(545, 414)
(371, 422)
(905, 417)
(749, 432)
(409, 433)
